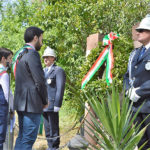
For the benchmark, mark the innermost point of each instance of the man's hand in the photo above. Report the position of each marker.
(132, 94)
(11, 115)
(56, 109)
(45, 106)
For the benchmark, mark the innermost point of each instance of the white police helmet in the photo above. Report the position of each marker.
(49, 52)
(145, 23)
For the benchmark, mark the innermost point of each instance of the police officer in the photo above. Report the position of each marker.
(55, 80)
(137, 79)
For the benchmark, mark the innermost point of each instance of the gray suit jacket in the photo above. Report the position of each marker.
(56, 88)
(30, 88)
(140, 74)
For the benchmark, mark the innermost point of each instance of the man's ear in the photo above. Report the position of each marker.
(35, 38)
(3, 58)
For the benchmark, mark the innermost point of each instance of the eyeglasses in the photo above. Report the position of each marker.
(141, 30)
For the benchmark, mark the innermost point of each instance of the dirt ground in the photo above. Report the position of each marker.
(41, 144)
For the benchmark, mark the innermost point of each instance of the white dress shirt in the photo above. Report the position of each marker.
(4, 81)
(49, 68)
(147, 46)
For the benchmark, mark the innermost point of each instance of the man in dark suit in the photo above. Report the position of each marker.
(30, 89)
(55, 79)
(137, 79)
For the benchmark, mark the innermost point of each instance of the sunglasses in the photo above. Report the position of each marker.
(141, 30)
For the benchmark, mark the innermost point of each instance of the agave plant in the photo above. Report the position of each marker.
(113, 126)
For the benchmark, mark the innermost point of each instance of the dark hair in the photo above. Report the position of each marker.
(31, 32)
(4, 52)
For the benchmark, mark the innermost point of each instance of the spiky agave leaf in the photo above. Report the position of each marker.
(115, 131)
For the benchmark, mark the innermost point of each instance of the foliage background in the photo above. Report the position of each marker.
(67, 24)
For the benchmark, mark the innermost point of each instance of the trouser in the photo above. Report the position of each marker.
(51, 125)
(3, 123)
(28, 130)
(146, 137)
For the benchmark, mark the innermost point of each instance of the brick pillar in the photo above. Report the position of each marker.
(92, 42)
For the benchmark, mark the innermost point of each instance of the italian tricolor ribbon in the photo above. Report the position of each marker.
(105, 55)
(2, 70)
(15, 58)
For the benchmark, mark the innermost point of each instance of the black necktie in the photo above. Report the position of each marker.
(142, 52)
